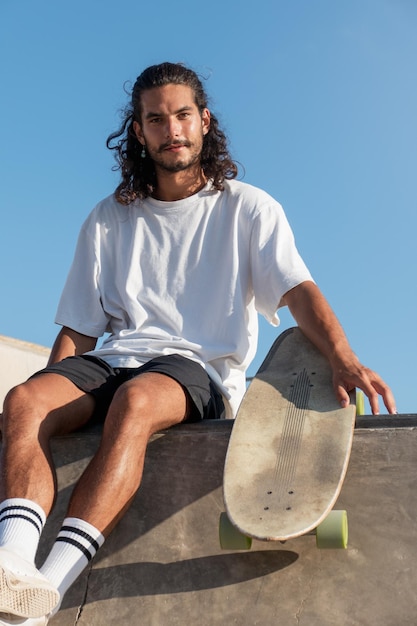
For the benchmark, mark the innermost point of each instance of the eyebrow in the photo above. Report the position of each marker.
(181, 110)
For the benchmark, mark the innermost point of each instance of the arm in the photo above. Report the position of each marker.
(70, 343)
(316, 319)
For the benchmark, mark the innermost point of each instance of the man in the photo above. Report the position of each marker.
(174, 266)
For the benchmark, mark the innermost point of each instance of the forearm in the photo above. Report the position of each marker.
(70, 343)
(318, 322)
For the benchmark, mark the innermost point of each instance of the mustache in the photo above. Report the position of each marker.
(164, 146)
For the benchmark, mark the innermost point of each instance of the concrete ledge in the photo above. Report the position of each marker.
(406, 420)
(163, 565)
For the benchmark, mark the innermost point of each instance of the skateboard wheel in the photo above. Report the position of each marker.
(333, 531)
(360, 403)
(230, 537)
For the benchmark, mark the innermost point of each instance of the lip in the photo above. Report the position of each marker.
(175, 147)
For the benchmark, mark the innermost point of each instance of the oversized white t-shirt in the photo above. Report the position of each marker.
(185, 277)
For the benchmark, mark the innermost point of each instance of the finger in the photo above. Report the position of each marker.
(387, 396)
(371, 393)
(390, 403)
(373, 399)
(365, 384)
(342, 396)
(383, 390)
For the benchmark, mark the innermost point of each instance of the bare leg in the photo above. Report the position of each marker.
(44, 406)
(142, 406)
(50, 405)
(34, 411)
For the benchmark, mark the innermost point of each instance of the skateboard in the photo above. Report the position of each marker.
(288, 452)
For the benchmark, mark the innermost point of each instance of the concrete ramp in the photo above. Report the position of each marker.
(163, 566)
(18, 361)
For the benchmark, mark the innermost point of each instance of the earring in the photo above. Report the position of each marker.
(143, 153)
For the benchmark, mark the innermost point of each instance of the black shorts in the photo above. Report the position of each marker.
(95, 376)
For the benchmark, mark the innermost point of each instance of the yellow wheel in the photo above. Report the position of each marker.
(333, 531)
(230, 537)
(360, 403)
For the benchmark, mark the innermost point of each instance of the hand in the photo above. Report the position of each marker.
(316, 319)
(347, 376)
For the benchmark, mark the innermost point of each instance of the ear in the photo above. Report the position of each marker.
(205, 120)
(138, 132)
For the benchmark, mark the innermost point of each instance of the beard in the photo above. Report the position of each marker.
(171, 162)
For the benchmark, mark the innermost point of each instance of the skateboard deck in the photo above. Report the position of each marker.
(290, 445)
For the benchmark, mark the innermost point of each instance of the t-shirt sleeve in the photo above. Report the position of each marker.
(80, 307)
(276, 264)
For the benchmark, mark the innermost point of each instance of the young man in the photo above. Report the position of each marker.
(175, 267)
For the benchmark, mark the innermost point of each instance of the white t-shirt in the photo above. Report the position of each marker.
(185, 277)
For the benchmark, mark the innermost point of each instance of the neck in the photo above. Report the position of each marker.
(173, 186)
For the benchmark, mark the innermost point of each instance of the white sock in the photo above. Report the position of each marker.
(21, 525)
(75, 546)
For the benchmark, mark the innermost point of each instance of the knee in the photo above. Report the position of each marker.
(132, 405)
(147, 404)
(133, 399)
(21, 408)
(15, 399)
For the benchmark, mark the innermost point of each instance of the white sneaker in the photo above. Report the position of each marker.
(7, 619)
(24, 591)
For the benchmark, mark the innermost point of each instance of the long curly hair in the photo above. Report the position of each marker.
(138, 173)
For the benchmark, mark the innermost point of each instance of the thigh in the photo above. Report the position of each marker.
(147, 403)
(205, 400)
(47, 401)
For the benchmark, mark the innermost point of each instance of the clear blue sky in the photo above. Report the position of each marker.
(318, 99)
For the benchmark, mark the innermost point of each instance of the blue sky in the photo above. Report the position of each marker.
(319, 102)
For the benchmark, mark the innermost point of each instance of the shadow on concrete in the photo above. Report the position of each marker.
(179, 471)
(198, 574)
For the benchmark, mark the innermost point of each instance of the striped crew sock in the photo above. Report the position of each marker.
(75, 546)
(21, 525)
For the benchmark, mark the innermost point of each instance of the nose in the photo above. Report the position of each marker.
(173, 128)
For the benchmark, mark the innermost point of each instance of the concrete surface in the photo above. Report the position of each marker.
(162, 566)
(18, 360)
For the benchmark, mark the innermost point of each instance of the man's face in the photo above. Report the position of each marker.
(171, 127)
